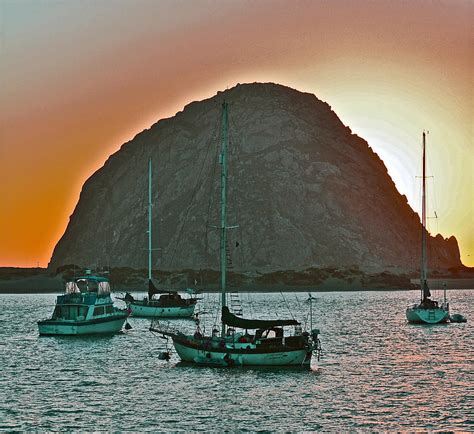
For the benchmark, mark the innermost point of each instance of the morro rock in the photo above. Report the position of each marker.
(304, 192)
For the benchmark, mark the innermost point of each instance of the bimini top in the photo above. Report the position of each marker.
(89, 278)
(235, 321)
(97, 284)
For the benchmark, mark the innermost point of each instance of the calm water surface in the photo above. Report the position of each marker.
(377, 373)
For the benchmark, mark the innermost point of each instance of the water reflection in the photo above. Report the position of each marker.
(377, 373)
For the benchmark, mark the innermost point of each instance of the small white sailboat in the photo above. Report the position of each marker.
(170, 304)
(241, 342)
(428, 311)
(86, 308)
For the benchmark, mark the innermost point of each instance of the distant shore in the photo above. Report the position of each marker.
(449, 283)
(38, 280)
(250, 290)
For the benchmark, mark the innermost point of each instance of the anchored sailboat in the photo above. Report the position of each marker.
(170, 304)
(259, 342)
(428, 311)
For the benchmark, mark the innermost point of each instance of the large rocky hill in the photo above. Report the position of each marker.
(304, 190)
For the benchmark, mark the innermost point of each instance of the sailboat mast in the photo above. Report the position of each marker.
(423, 223)
(223, 228)
(149, 220)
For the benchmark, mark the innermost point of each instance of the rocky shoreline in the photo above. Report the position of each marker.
(39, 280)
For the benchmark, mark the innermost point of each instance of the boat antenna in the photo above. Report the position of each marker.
(310, 301)
(223, 228)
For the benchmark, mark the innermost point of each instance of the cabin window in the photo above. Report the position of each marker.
(109, 309)
(69, 312)
(99, 310)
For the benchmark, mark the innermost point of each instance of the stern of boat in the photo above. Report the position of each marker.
(418, 315)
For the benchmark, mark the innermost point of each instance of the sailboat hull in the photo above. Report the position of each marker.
(235, 357)
(419, 315)
(146, 311)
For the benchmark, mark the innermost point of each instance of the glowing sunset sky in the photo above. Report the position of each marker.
(79, 78)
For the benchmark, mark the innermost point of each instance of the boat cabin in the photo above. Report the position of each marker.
(86, 298)
(429, 304)
(171, 299)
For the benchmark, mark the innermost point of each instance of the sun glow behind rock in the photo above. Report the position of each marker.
(79, 79)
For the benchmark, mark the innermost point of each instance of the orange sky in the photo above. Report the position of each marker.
(77, 79)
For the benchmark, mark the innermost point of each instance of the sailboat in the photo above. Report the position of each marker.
(170, 304)
(428, 311)
(240, 342)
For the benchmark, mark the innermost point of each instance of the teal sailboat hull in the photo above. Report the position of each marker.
(419, 315)
(141, 309)
(243, 357)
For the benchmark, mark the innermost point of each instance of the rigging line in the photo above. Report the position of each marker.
(306, 321)
(298, 302)
(213, 193)
(213, 310)
(210, 311)
(234, 172)
(417, 246)
(249, 301)
(435, 206)
(155, 235)
(197, 187)
(216, 317)
(429, 164)
(236, 150)
(212, 188)
(287, 306)
(203, 314)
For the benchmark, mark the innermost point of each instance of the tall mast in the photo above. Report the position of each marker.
(423, 225)
(223, 228)
(149, 220)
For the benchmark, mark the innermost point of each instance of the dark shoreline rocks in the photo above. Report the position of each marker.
(330, 279)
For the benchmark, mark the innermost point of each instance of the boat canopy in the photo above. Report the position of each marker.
(234, 321)
(89, 278)
(99, 284)
(103, 288)
(71, 288)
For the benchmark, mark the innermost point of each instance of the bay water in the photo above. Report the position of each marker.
(377, 372)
